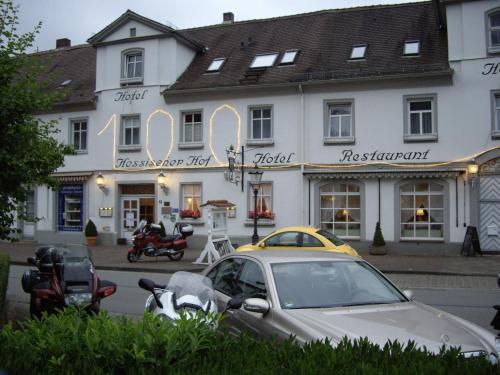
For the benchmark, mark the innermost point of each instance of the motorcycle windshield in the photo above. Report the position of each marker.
(191, 284)
(74, 253)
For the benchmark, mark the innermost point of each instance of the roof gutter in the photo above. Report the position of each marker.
(180, 92)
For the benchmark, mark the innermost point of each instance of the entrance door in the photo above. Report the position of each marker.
(489, 211)
(29, 226)
(135, 209)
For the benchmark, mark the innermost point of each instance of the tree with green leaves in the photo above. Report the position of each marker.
(29, 152)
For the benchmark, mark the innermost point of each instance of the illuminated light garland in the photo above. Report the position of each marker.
(111, 120)
(171, 135)
(210, 135)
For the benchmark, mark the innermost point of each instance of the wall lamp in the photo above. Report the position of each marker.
(473, 168)
(162, 181)
(101, 184)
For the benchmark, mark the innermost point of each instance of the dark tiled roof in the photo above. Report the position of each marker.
(325, 40)
(71, 63)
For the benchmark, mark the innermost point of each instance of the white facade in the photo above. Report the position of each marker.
(378, 159)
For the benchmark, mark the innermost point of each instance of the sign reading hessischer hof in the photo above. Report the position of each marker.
(200, 161)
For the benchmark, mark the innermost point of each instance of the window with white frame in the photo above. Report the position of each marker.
(494, 32)
(192, 127)
(79, 135)
(340, 209)
(339, 124)
(264, 202)
(132, 66)
(190, 201)
(130, 131)
(264, 60)
(422, 211)
(420, 118)
(261, 123)
(496, 115)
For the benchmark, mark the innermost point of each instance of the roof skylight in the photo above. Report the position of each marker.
(289, 57)
(358, 51)
(264, 60)
(412, 47)
(216, 65)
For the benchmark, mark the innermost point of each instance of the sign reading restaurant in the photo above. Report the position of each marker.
(350, 156)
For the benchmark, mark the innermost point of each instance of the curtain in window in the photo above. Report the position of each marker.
(340, 209)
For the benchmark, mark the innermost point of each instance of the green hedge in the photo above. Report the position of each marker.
(71, 343)
(4, 278)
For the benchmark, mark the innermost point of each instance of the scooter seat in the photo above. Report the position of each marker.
(169, 238)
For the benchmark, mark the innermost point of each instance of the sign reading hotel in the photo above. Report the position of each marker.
(200, 161)
(349, 156)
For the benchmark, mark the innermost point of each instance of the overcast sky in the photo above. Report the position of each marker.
(80, 19)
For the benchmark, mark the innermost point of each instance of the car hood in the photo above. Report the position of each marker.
(403, 322)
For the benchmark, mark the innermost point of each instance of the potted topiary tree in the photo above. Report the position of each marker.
(378, 246)
(91, 233)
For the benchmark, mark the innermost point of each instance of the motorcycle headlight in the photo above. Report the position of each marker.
(78, 299)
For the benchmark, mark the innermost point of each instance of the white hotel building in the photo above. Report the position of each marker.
(355, 115)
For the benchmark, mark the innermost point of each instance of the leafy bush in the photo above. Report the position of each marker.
(72, 343)
(378, 238)
(4, 278)
(90, 229)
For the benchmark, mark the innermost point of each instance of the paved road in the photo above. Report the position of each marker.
(471, 298)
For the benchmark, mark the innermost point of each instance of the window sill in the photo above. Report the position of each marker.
(192, 221)
(260, 142)
(495, 134)
(131, 81)
(494, 50)
(261, 223)
(421, 138)
(131, 148)
(190, 145)
(84, 152)
(338, 141)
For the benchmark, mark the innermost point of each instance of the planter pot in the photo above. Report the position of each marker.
(378, 250)
(91, 241)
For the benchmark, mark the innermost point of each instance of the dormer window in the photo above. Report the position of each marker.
(216, 65)
(358, 52)
(494, 32)
(264, 60)
(289, 57)
(412, 47)
(133, 32)
(132, 67)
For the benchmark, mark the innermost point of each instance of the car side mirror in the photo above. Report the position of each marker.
(32, 261)
(256, 305)
(409, 294)
(106, 289)
(234, 303)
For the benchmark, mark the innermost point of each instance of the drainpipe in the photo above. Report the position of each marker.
(302, 151)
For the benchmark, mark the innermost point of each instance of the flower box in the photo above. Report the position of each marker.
(190, 214)
(261, 215)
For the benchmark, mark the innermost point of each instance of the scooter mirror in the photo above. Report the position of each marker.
(106, 289)
(147, 285)
(31, 260)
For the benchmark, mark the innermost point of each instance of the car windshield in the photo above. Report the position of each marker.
(331, 237)
(319, 284)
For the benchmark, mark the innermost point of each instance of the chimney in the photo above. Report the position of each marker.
(228, 17)
(64, 42)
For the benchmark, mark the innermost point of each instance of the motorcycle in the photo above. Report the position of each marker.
(495, 323)
(147, 240)
(65, 276)
(186, 294)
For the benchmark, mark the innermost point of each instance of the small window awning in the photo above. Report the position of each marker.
(218, 204)
(69, 177)
(368, 174)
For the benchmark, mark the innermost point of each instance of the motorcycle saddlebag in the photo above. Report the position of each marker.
(180, 244)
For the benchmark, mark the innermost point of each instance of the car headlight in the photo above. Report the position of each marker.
(78, 299)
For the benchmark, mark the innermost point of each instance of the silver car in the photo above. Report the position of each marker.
(317, 295)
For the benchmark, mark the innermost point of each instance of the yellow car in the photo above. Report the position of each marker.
(302, 238)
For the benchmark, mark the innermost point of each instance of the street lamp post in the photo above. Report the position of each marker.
(255, 180)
